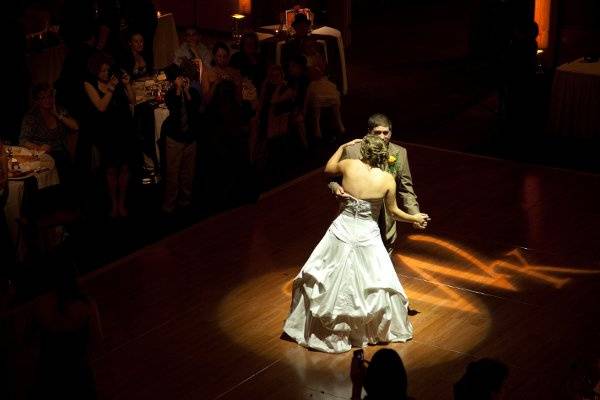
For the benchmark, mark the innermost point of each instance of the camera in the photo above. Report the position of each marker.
(359, 354)
(117, 72)
(189, 69)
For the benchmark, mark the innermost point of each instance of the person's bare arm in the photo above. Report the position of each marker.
(333, 165)
(420, 219)
(335, 185)
(126, 81)
(63, 117)
(101, 103)
(69, 122)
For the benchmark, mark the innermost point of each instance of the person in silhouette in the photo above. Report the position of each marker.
(483, 380)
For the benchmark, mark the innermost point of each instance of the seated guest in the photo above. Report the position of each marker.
(249, 61)
(110, 125)
(192, 48)
(133, 60)
(48, 128)
(180, 129)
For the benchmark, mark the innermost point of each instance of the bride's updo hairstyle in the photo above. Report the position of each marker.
(374, 151)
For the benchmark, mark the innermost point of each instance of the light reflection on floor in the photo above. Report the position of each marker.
(266, 298)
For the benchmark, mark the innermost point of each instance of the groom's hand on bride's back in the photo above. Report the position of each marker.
(337, 190)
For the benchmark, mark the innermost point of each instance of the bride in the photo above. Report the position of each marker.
(348, 294)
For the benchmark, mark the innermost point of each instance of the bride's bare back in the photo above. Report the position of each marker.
(363, 181)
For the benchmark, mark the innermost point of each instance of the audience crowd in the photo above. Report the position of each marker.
(237, 123)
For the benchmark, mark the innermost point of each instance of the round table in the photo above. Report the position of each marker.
(575, 100)
(45, 174)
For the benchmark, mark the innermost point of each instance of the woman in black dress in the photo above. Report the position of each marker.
(110, 124)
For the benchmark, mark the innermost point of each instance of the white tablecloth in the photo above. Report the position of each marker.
(16, 189)
(328, 31)
(575, 100)
(325, 31)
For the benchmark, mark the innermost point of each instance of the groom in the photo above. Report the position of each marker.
(381, 126)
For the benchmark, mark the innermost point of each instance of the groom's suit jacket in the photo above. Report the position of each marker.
(405, 194)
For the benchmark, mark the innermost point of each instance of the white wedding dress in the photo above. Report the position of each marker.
(348, 294)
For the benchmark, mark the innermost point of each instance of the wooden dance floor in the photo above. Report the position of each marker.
(508, 268)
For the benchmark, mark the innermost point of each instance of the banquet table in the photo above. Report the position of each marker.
(45, 174)
(149, 106)
(166, 41)
(575, 100)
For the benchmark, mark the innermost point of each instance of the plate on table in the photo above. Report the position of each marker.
(20, 151)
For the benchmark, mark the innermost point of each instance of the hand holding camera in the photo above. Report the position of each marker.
(125, 79)
(357, 372)
(112, 83)
(179, 81)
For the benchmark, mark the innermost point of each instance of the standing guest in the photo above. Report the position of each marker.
(69, 86)
(322, 93)
(192, 48)
(276, 104)
(519, 77)
(249, 61)
(133, 60)
(221, 71)
(228, 141)
(104, 16)
(295, 45)
(253, 69)
(47, 128)
(110, 125)
(140, 16)
(180, 129)
(298, 82)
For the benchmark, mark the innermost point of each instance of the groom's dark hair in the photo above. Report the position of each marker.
(379, 120)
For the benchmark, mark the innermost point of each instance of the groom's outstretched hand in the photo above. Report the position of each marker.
(422, 221)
